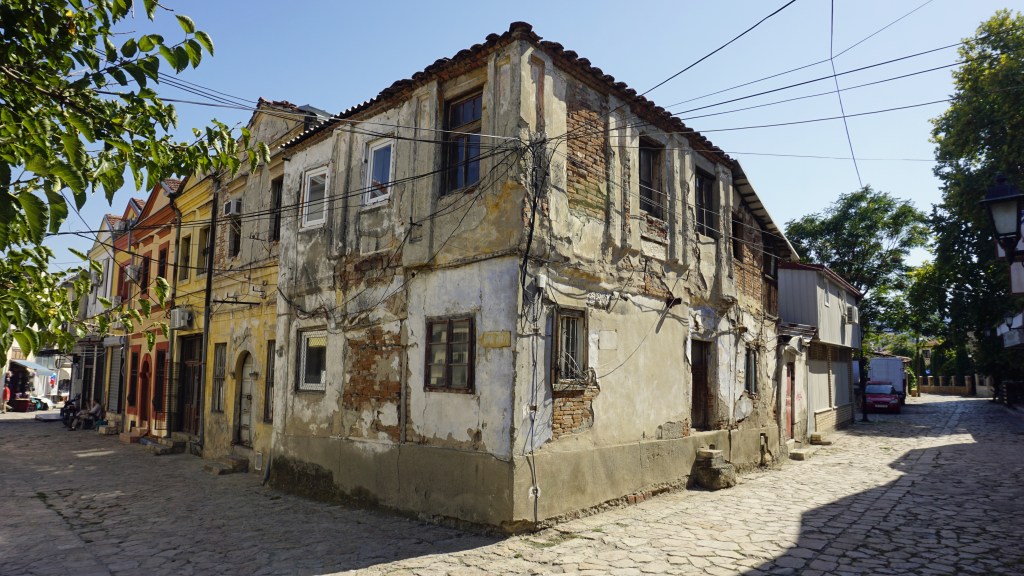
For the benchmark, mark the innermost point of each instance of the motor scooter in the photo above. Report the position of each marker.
(70, 410)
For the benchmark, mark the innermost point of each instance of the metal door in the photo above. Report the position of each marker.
(245, 403)
(701, 399)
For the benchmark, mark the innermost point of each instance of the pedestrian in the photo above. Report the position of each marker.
(7, 391)
(95, 413)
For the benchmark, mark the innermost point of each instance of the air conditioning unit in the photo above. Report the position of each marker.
(852, 314)
(233, 207)
(132, 272)
(181, 319)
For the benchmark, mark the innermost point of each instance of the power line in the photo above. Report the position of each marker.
(842, 109)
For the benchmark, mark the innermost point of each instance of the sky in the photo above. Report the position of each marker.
(334, 55)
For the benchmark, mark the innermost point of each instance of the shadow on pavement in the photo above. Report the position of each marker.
(83, 500)
(956, 509)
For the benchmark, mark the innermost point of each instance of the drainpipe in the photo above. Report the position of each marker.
(174, 291)
(207, 312)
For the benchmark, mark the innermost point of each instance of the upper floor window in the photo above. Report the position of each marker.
(204, 250)
(276, 204)
(234, 236)
(652, 197)
(750, 379)
(462, 161)
(185, 258)
(314, 198)
(144, 274)
(737, 237)
(378, 173)
(704, 203)
(161, 263)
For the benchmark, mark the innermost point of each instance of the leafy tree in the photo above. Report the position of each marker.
(78, 113)
(865, 237)
(976, 138)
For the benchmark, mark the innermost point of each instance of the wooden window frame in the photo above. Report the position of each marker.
(737, 237)
(161, 263)
(300, 382)
(652, 192)
(750, 382)
(470, 364)
(704, 204)
(234, 236)
(276, 206)
(558, 381)
(185, 258)
(203, 250)
(461, 134)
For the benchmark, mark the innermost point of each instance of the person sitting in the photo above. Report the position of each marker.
(94, 413)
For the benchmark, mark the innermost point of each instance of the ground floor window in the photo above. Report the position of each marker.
(450, 354)
(313, 362)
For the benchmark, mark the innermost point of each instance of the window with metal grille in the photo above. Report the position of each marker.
(268, 387)
(750, 379)
(737, 237)
(704, 204)
(313, 363)
(652, 197)
(220, 359)
(133, 378)
(462, 162)
(450, 355)
(570, 346)
(276, 205)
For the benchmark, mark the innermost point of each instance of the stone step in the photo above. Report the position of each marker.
(819, 439)
(183, 437)
(226, 465)
(801, 453)
(107, 430)
(130, 437)
(162, 446)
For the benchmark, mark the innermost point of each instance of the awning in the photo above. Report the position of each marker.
(34, 366)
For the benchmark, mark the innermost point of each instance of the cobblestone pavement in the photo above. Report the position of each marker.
(938, 489)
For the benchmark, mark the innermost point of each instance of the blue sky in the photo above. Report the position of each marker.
(334, 55)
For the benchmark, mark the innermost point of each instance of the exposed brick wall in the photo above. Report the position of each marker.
(749, 265)
(374, 378)
(587, 160)
(573, 411)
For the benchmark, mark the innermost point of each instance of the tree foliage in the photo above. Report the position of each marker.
(976, 138)
(79, 113)
(865, 237)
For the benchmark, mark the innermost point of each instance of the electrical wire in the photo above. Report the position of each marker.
(842, 109)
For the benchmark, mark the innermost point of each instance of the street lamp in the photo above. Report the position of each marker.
(1005, 204)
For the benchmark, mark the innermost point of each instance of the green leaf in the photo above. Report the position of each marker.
(194, 51)
(70, 175)
(24, 342)
(160, 289)
(150, 8)
(186, 23)
(24, 312)
(83, 125)
(58, 210)
(146, 307)
(146, 43)
(150, 340)
(37, 165)
(78, 253)
(104, 301)
(181, 57)
(170, 56)
(137, 73)
(35, 215)
(129, 48)
(205, 40)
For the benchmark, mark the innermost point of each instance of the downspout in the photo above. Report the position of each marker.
(174, 291)
(207, 312)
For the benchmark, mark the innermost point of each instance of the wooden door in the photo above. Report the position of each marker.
(244, 434)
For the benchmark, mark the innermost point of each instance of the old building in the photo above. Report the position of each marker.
(241, 321)
(511, 289)
(819, 313)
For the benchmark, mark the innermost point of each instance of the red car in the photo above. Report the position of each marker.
(882, 396)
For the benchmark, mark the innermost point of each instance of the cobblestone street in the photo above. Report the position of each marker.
(938, 489)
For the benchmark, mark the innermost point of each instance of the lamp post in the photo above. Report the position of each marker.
(1005, 205)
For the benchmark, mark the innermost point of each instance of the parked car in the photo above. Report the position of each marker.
(882, 396)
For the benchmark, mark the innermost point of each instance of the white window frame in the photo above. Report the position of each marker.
(308, 222)
(368, 198)
(302, 385)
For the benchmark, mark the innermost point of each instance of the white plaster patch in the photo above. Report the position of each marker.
(608, 340)
(744, 407)
(598, 300)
